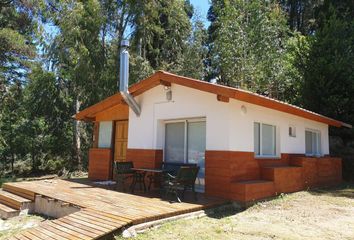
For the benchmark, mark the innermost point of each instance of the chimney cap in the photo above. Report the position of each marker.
(124, 43)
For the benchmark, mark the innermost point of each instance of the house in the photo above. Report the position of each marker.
(248, 146)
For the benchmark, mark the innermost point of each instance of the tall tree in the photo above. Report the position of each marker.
(193, 60)
(329, 77)
(249, 39)
(301, 14)
(16, 52)
(161, 31)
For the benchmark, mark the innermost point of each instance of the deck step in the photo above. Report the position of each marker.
(8, 187)
(247, 191)
(14, 201)
(286, 178)
(7, 212)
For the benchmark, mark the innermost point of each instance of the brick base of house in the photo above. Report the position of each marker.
(241, 177)
(235, 175)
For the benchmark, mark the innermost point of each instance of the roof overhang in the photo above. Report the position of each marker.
(222, 92)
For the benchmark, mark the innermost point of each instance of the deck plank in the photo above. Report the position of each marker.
(99, 217)
(50, 235)
(103, 211)
(29, 235)
(68, 231)
(88, 230)
(83, 233)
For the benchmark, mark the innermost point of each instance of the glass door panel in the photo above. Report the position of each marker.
(196, 150)
(174, 142)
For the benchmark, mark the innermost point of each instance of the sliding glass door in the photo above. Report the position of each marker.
(185, 143)
(174, 142)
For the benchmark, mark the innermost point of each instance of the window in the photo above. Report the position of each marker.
(105, 134)
(264, 139)
(312, 143)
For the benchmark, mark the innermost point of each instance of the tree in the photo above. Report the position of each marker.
(48, 125)
(161, 32)
(16, 52)
(249, 41)
(16, 41)
(194, 54)
(301, 14)
(328, 77)
(11, 119)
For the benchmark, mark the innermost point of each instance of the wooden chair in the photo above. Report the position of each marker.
(123, 171)
(184, 180)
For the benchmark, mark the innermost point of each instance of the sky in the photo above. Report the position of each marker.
(202, 7)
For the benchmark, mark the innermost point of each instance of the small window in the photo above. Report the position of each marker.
(105, 134)
(264, 139)
(312, 143)
(292, 131)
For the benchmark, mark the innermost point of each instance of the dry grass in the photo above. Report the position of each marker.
(14, 225)
(321, 214)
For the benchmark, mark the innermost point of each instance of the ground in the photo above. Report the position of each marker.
(321, 214)
(14, 225)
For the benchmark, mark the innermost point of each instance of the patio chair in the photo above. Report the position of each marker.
(184, 180)
(167, 167)
(123, 171)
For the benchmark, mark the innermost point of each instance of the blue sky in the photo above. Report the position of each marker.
(202, 6)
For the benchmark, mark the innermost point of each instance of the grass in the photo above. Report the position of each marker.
(320, 214)
(14, 225)
(6, 179)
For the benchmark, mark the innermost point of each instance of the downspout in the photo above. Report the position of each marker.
(124, 78)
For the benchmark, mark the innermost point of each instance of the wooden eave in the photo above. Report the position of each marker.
(222, 93)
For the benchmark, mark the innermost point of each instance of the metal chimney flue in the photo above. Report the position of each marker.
(124, 78)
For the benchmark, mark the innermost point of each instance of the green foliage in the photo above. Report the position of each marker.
(16, 43)
(329, 76)
(301, 14)
(249, 46)
(161, 30)
(328, 86)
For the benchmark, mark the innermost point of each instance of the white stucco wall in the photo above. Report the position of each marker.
(227, 127)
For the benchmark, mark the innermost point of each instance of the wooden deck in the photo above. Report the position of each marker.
(103, 211)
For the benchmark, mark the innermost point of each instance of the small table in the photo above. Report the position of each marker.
(140, 176)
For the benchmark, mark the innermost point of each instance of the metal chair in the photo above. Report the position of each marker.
(123, 171)
(184, 180)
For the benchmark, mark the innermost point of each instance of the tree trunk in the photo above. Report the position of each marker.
(12, 162)
(77, 137)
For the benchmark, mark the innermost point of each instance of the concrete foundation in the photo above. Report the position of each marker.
(52, 207)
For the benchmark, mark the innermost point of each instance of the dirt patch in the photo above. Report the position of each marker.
(322, 214)
(14, 225)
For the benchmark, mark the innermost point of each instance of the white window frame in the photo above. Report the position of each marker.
(260, 155)
(185, 121)
(319, 142)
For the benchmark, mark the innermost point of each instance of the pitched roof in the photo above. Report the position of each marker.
(222, 92)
